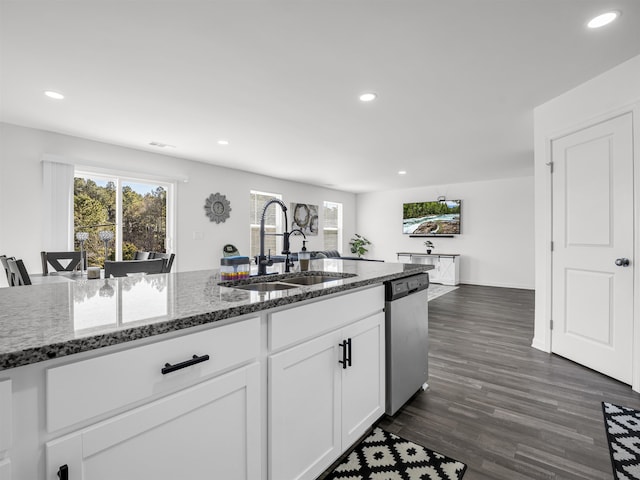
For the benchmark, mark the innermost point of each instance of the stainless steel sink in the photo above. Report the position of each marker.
(310, 279)
(286, 282)
(265, 286)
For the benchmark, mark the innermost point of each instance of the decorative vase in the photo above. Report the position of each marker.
(106, 236)
(82, 237)
(428, 250)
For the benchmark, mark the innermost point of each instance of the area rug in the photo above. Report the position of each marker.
(435, 291)
(623, 433)
(385, 456)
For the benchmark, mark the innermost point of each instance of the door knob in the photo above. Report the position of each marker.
(622, 262)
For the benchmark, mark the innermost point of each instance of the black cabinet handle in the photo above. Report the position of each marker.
(168, 368)
(346, 353)
(622, 262)
(344, 360)
(63, 472)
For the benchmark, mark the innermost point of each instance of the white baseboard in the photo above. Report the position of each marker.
(499, 285)
(538, 345)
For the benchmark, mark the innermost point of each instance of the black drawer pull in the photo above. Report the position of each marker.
(63, 472)
(344, 360)
(349, 351)
(168, 368)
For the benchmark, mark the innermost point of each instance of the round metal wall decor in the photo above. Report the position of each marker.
(217, 207)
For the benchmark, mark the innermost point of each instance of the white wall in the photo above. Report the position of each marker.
(609, 94)
(21, 152)
(497, 238)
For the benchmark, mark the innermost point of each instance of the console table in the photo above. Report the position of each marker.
(446, 265)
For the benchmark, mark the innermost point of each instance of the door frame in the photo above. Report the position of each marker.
(544, 300)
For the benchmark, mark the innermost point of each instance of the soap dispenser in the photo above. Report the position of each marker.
(304, 257)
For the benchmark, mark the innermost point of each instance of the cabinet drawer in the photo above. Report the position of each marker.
(308, 321)
(5, 415)
(87, 388)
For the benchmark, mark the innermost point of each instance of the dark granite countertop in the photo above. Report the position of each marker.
(53, 320)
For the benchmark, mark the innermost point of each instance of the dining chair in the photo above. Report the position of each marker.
(5, 265)
(54, 258)
(168, 258)
(19, 272)
(121, 269)
(141, 256)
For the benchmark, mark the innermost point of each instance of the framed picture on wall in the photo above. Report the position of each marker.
(305, 217)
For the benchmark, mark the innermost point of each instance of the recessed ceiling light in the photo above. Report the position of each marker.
(368, 97)
(54, 95)
(402, 172)
(223, 142)
(604, 19)
(161, 145)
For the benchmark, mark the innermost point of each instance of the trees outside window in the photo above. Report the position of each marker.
(135, 212)
(144, 219)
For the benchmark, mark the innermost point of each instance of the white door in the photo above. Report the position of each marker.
(304, 409)
(363, 380)
(206, 432)
(592, 296)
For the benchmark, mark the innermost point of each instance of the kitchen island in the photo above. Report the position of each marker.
(175, 376)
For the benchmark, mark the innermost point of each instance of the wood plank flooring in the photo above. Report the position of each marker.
(505, 409)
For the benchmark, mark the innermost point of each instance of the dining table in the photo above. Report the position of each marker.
(61, 277)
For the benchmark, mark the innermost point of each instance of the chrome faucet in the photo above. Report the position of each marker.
(263, 261)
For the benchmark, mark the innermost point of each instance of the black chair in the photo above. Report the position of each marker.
(121, 269)
(19, 273)
(53, 259)
(168, 258)
(142, 256)
(5, 265)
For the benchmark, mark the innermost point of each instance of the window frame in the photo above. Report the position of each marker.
(278, 225)
(119, 178)
(339, 229)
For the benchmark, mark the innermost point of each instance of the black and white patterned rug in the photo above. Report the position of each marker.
(623, 433)
(385, 456)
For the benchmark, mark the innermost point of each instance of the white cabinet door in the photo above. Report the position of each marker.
(318, 408)
(448, 270)
(5, 469)
(304, 415)
(6, 415)
(363, 381)
(208, 431)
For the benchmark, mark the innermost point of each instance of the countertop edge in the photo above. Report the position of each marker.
(83, 344)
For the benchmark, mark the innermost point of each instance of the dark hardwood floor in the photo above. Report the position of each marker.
(505, 409)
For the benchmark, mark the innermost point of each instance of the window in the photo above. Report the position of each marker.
(332, 229)
(134, 211)
(273, 223)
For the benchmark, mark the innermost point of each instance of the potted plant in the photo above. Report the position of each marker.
(429, 245)
(358, 245)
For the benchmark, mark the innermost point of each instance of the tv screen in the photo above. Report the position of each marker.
(431, 218)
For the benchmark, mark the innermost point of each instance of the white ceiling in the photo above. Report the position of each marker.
(457, 80)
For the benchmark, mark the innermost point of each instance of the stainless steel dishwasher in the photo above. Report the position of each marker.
(407, 343)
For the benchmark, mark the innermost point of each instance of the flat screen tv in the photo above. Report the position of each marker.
(431, 218)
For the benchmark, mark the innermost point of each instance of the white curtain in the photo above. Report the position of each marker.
(57, 228)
